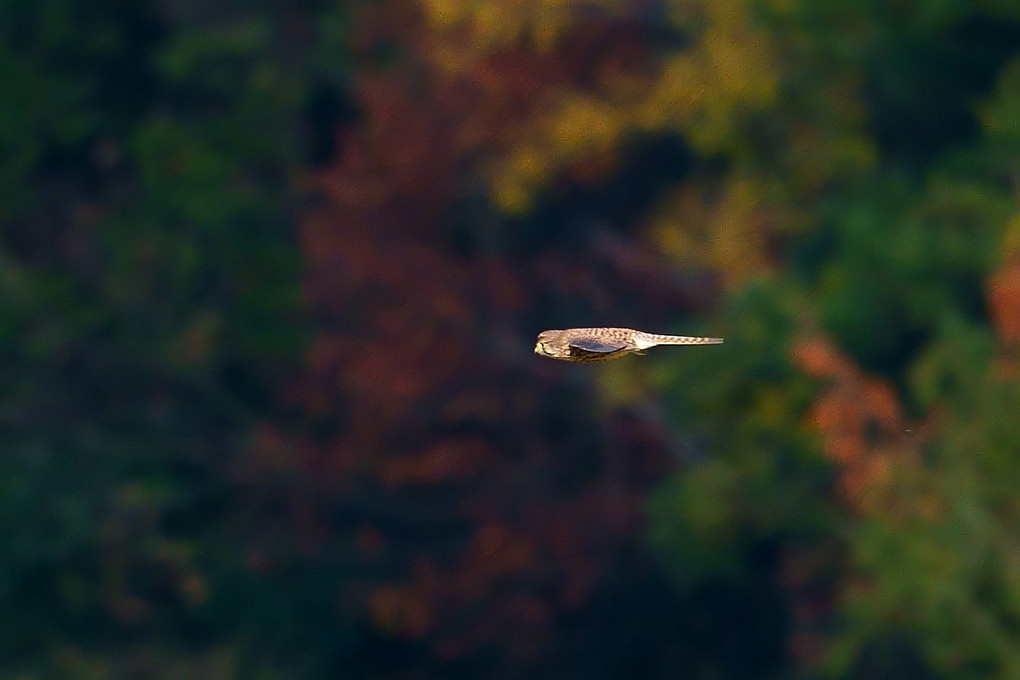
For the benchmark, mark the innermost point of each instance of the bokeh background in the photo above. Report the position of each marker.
(270, 276)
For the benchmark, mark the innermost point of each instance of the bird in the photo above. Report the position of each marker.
(603, 344)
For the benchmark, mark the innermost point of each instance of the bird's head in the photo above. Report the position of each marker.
(552, 344)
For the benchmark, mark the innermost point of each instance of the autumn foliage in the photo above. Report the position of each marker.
(416, 334)
(270, 278)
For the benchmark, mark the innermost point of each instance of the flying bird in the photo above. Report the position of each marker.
(603, 344)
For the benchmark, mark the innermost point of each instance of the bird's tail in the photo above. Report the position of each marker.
(651, 339)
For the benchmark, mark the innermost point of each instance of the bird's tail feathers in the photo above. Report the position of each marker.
(652, 339)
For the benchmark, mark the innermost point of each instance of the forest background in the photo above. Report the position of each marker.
(270, 275)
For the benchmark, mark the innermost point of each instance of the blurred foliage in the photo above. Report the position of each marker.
(268, 280)
(150, 306)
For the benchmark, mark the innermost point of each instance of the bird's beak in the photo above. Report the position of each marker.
(538, 348)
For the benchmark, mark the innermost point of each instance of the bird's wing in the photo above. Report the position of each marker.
(597, 345)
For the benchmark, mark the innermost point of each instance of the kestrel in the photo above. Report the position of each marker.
(603, 344)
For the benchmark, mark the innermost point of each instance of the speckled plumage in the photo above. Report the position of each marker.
(603, 344)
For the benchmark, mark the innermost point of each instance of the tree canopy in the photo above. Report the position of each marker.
(269, 280)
